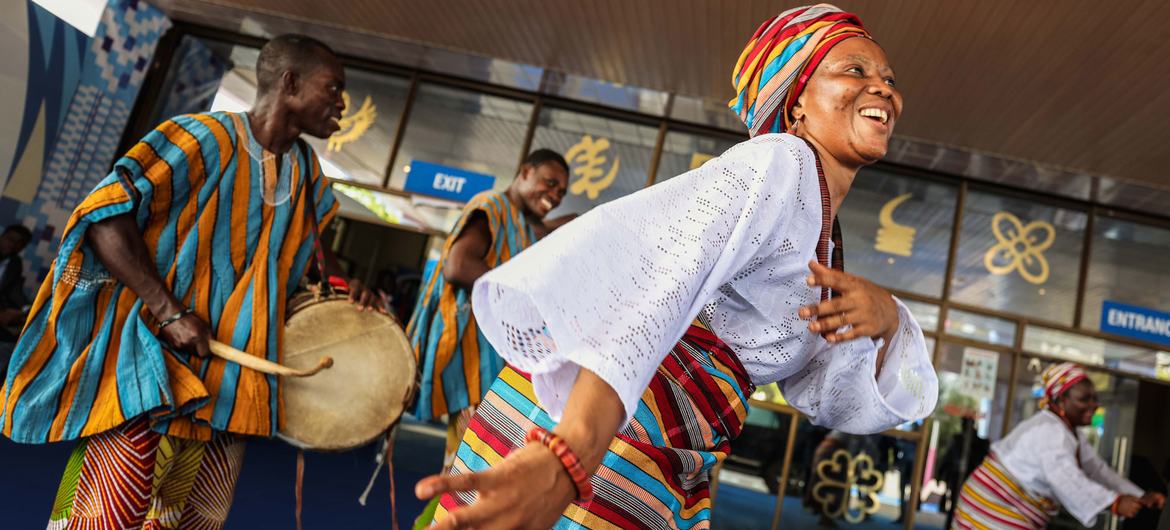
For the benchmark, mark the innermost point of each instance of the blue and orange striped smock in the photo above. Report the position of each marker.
(457, 363)
(88, 359)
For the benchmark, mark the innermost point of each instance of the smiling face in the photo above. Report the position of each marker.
(315, 98)
(541, 187)
(850, 105)
(1079, 403)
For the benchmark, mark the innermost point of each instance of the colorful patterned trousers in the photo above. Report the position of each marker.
(132, 477)
(655, 474)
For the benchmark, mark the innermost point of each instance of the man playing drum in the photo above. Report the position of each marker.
(201, 232)
(456, 362)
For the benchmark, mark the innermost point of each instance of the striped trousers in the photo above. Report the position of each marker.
(132, 477)
(655, 474)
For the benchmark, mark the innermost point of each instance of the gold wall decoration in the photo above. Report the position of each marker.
(697, 159)
(1019, 247)
(353, 124)
(587, 158)
(894, 238)
(847, 486)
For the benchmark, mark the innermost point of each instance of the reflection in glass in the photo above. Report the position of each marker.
(897, 230)
(463, 129)
(1092, 351)
(706, 112)
(982, 328)
(607, 158)
(926, 314)
(1019, 256)
(972, 383)
(682, 152)
(1128, 265)
(819, 481)
(606, 93)
(749, 478)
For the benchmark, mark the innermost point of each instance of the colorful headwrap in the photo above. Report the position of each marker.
(780, 58)
(1058, 378)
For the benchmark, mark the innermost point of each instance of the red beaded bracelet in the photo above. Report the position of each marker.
(1116, 501)
(568, 459)
(337, 282)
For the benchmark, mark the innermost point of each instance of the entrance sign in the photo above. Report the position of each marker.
(1135, 322)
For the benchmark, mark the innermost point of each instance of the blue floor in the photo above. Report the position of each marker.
(29, 476)
(744, 509)
(265, 495)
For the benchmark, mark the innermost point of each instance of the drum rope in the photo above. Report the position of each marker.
(300, 483)
(385, 457)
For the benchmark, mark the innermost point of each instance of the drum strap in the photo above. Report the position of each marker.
(385, 457)
(300, 483)
(312, 200)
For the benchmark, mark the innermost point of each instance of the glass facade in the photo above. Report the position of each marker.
(607, 158)
(1019, 256)
(463, 129)
(897, 230)
(1017, 283)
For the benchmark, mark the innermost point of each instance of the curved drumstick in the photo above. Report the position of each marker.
(229, 353)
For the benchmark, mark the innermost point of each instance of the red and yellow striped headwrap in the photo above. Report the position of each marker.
(780, 58)
(1058, 378)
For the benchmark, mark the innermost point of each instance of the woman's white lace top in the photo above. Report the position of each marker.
(615, 289)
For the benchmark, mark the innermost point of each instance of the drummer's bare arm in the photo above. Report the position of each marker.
(466, 261)
(592, 416)
(119, 246)
(359, 293)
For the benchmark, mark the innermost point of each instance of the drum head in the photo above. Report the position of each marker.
(363, 394)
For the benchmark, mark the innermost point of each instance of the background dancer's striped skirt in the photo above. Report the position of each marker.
(655, 474)
(992, 499)
(134, 477)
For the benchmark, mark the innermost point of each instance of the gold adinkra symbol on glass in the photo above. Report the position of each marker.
(894, 238)
(353, 124)
(588, 160)
(697, 159)
(847, 486)
(1020, 247)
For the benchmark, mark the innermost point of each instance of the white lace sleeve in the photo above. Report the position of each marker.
(1099, 471)
(614, 290)
(837, 387)
(1080, 495)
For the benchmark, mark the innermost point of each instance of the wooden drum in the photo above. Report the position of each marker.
(366, 389)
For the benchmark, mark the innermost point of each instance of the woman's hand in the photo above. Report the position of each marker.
(1153, 499)
(527, 490)
(530, 488)
(1128, 506)
(867, 308)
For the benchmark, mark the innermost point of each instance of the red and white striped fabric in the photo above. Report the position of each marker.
(992, 499)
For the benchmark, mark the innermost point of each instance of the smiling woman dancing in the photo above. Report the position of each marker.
(685, 295)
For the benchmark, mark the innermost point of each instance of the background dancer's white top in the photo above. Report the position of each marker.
(1040, 453)
(614, 290)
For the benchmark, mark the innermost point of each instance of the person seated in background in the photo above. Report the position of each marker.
(12, 298)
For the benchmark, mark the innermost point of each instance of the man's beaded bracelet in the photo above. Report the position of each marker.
(174, 318)
(568, 459)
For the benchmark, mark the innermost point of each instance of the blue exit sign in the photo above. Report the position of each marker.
(445, 182)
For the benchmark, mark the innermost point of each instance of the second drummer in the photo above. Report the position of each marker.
(456, 362)
(202, 231)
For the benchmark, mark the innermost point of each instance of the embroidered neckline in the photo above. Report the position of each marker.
(830, 228)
